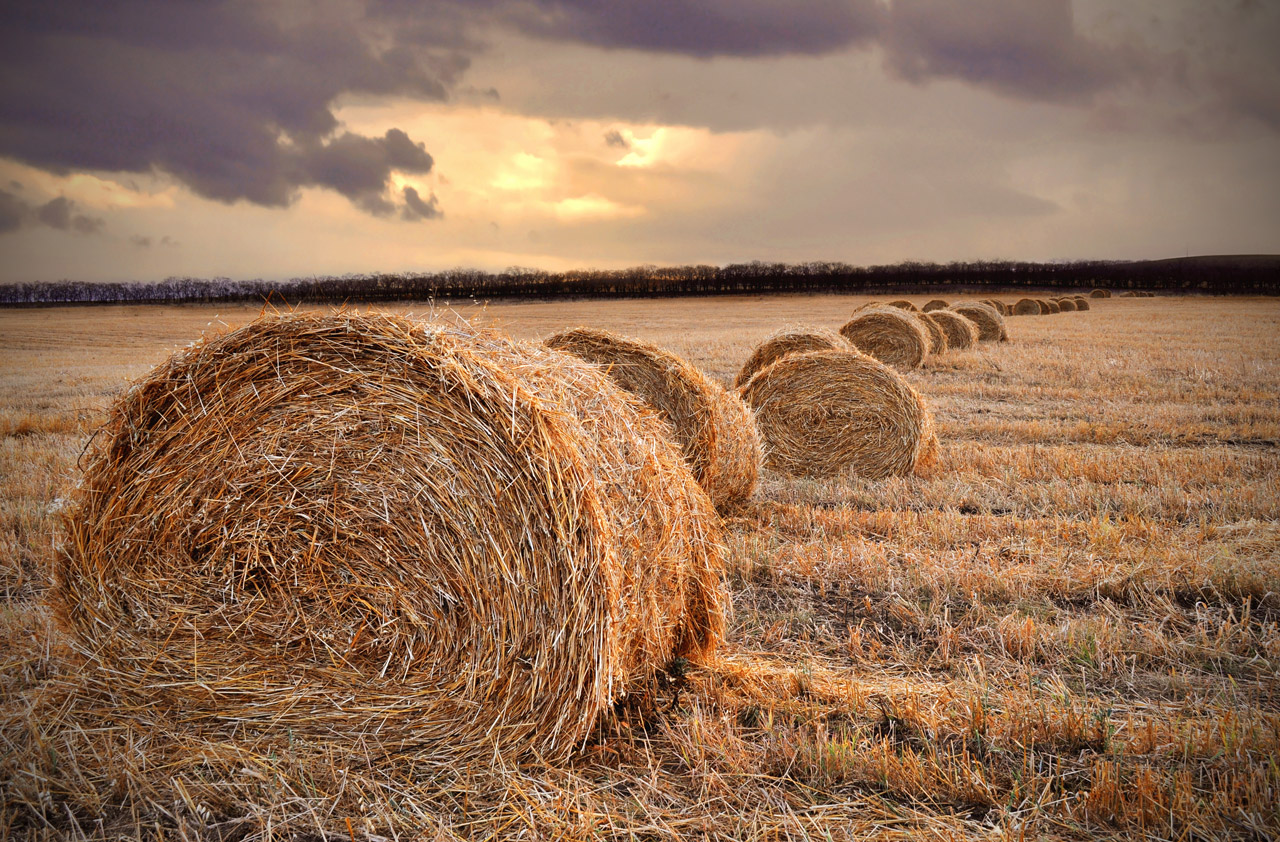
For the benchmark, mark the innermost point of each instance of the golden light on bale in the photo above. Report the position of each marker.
(797, 340)
(892, 336)
(991, 326)
(934, 304)
(1027, 307)
(1081, 302)
(713, 426)
(937, 336)
(393, 535)
(1066, 305)
(825, 412)
(904, 304)
(961, 332)
(1100, 293)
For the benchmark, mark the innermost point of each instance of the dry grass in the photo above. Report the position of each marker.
(712, 425)
(1067, 629)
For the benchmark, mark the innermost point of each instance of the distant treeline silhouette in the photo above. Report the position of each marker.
(1240, 274)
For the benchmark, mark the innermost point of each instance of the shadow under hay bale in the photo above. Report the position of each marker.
(797, 340)
(991, 326)
(937, 336)
(891, 335)
(962, 333)
(829, 411)
(712, 425)
(326, 529)
(934, 304)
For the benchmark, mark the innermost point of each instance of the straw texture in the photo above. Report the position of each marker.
(961, 332)
(830, 411)
(991, 326)
(937, 336)
(794, 340)
(326, 528)
(713, 426)
(893, 336)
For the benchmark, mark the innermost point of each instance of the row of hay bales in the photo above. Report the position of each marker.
(430, 537)
(905, 336)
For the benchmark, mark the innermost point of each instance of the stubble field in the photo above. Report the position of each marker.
(1069, 627)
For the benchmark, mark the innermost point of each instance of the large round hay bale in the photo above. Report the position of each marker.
(893, 336)
(937, 336)
(1066, 305)
(1081, 302)
(997, 305)
(991, 326)
(368, 529)
(1048, 306)
(934, 304)
(1027, 307)
(1100, 293)
(713, 426)
(903, 304)
(796, 340)
(829, 411)
(961, 332)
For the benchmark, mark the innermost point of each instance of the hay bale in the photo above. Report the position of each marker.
(830, 411)
(998, 306)
(1100, 293)
(904, 304)
(1027, 307)
(790, 341)
(1048, 306)
(934, 304)
(712, 425)
(893, 336)
(961, 332)
(1128, 294)
(937, 336)
(991, 326)
(342, 528)
(1081, 302)
(1066, 305)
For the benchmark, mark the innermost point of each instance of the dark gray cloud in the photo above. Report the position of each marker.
(1028, 49)
(232, 98)
(140, 241)
(59, 213)
(415, 208)
(613, 137)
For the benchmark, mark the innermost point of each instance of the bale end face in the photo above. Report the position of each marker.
(893, 336)
(991, 325)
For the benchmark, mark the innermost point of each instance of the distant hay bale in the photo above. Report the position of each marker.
(1128, 294)
(829, 411)
(934, 304)
(904, 304)
(961, 332)
(991, 326)
(937, 336)
(1081, 302)
(1027, 307)
(1100, 293)
(713, 426)
(893, 336)
(790, 341)
(997, 305)
(365, 529)
(1066, 305)
(1049, 306)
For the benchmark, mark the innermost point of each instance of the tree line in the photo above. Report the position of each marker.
(1251, 275)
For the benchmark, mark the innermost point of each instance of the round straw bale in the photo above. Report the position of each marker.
(1081, 302)
(1066, 305)
(1100, 293)
(961, 332)
(934, 304)
(937, 336)
(904, 304)
(1128, 294)
(1049, 306)
(790, 341)
(828, 411)
(712, 425)
(361, 527)
(890, 335)
(1027, 307)
(998, 306)
(991, 326)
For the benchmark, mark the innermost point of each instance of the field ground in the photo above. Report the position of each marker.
(1069, 628)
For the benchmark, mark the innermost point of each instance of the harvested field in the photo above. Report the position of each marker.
(1066, 628)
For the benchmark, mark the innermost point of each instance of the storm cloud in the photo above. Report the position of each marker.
(59, 213)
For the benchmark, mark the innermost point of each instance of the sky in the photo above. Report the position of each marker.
(141, 140)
